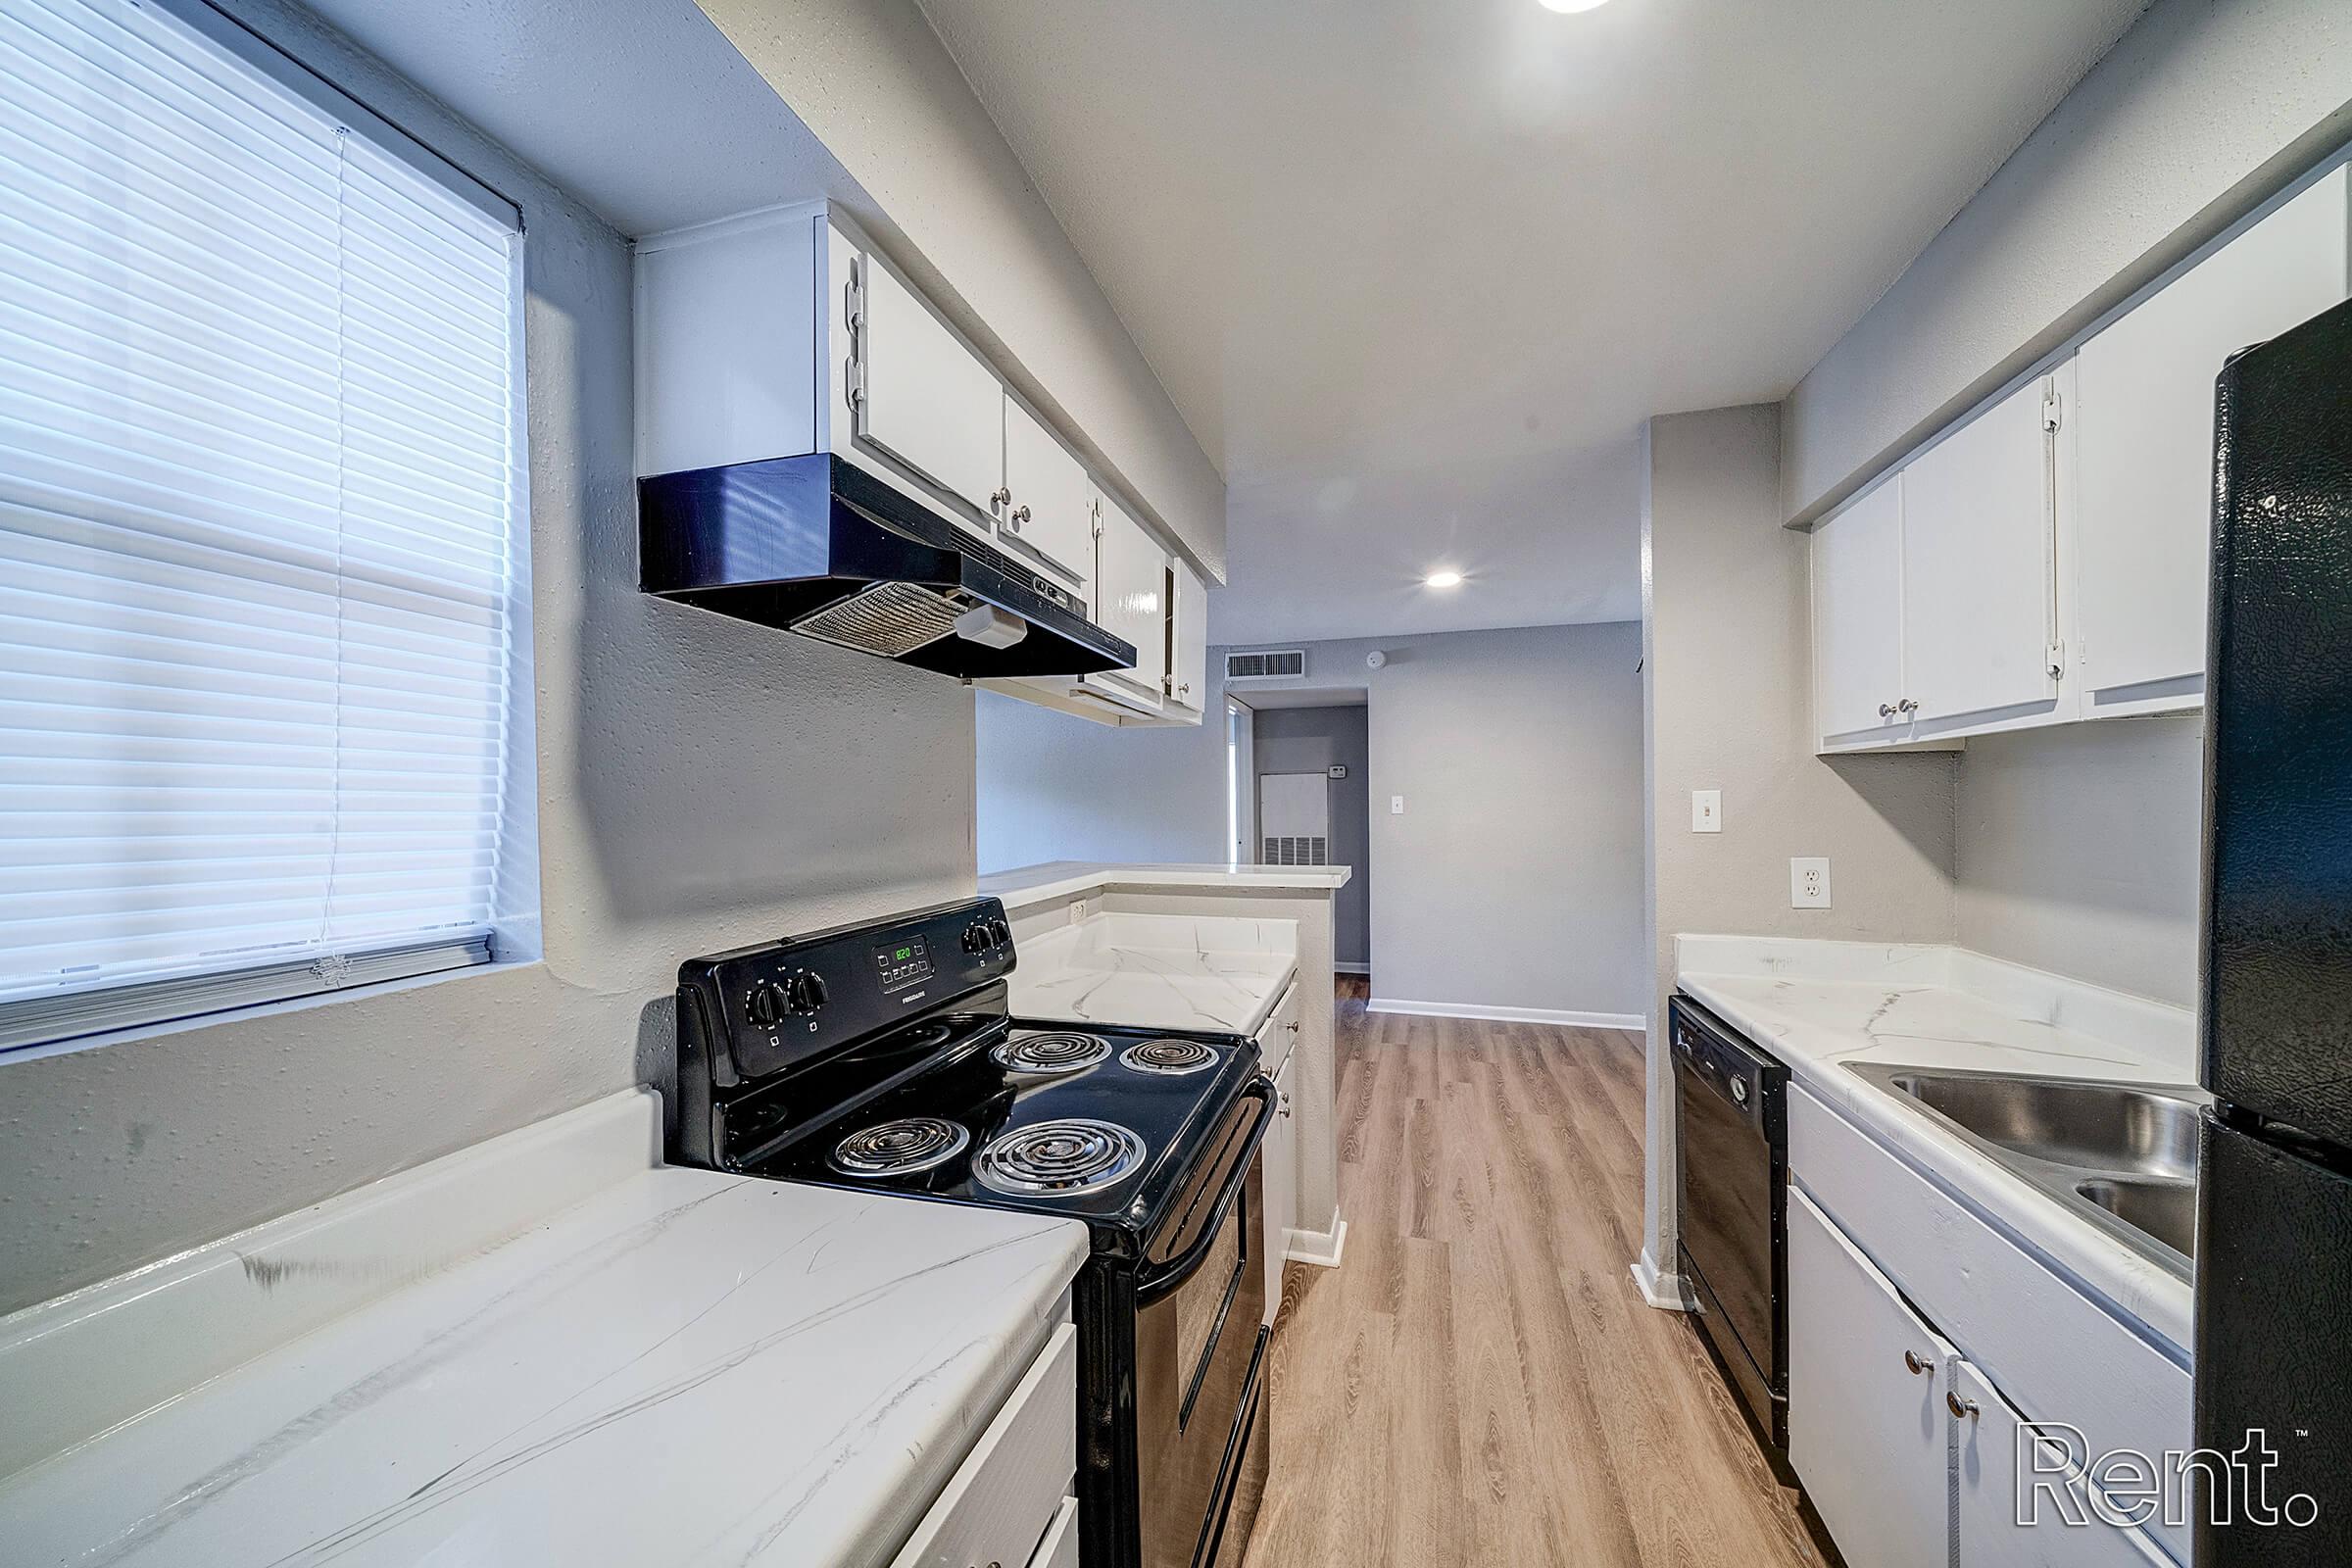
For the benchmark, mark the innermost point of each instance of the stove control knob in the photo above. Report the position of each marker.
(1000, 932)
(975, 938)
(767, 1004)
(804, 994)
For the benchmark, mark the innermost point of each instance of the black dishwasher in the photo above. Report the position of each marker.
(1731, 1128)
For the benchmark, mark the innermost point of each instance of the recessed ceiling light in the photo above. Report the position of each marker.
(1570, 7)
(1444, 579)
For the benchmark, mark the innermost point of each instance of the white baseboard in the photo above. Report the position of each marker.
(1351, 968)
(1466, 1010)
(1319, 1248)
(1664, 1290)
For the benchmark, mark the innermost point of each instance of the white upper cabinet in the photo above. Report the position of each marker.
(1858, 617)
(1131, 601)
(1980, 595)
(1049, 500)
(926, 399)
(2143, 480)
(1188, 639)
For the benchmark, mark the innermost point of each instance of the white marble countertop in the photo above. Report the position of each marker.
(1819, 1006)
(683, 1369)
(1064, 880)
(1159, 971)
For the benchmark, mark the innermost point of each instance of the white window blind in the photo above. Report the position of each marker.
(258, 533)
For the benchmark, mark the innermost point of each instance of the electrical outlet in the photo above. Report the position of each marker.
(1395, 805)
(1706, 811)
(1808, 882)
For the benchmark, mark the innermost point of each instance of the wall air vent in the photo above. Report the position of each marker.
(1272, 664)
(1297, 849)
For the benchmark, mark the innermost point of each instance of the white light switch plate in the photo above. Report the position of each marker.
(1706, 811)
(1395, 805)
(1808, 882)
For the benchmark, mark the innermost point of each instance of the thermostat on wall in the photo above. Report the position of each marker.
(1338, 771)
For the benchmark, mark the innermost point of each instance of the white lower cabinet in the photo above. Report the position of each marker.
(1987, 1525)
(1866, 1412)
(1013, 1488)
(1060, 1549)
(1280, 1160)
(1906, 1448)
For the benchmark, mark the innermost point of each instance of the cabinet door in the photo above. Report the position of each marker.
(1858, 617)
(1050, 505)
(1987, 1519)
(2143, 443)
(1188, 638)
(928, 400)
(1131, 600)
(1278, 1160)
(1977, 588)
(1865, 1413)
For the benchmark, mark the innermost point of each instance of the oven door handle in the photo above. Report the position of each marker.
(1154, 1284)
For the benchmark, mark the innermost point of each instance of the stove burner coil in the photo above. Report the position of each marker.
(1173, 1057)
(1051, 1053)
(1059, 1159)
(899, 1148)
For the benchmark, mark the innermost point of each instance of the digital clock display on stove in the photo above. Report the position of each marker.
(902, 963)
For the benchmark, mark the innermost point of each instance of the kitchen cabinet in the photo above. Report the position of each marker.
(1187, 640)
(1013, 1487)
(1979, 610)
(1277, 1039)
(924, 397)
(2144, 419)
(1985, 1528)
(1131, 602)
(1866, 1411)
(1047, 504)
(1858, 617)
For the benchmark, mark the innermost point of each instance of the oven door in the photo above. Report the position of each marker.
(1200, 1422)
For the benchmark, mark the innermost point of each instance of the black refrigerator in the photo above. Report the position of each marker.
(2274, 1325)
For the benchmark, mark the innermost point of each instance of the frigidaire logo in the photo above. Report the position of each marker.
(2056, 1472)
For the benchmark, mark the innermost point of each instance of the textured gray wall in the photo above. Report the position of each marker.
(2196, 115)
(703, 783)
(2079, 852)
(1312, 740)
(1514, 879)
(1728, 666)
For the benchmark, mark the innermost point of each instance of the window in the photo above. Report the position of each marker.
(260, 548)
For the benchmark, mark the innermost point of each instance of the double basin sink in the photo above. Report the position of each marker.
(2123, 1155)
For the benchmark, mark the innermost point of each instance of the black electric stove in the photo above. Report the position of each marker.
(883, 1057)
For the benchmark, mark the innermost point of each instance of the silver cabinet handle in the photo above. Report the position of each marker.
(1002, 497)
(1906, 705)
(1957, 1405)
(1885, 710)
(1291, 1026)
(1020, 515)
(1915, 1365)
(1186, 687)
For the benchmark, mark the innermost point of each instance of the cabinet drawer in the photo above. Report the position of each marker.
(1006, 1493)
(1279, 1034)
(1060, 1549)
(2055, 1352)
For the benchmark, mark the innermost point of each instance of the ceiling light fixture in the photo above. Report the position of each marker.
(1444, 579)
(1570, 7)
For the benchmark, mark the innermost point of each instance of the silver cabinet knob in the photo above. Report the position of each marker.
(1906, 705)
(1885, 710)
(1186, 687)
(1001, 498)
(1915, 1365)
(1291, 1026)
(1020, 515)
(1960, 1408)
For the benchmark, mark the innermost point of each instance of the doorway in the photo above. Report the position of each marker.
(1310, 784)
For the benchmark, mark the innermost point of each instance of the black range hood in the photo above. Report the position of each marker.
(817, 546)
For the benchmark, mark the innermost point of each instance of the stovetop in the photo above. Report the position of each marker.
(1143, 1125)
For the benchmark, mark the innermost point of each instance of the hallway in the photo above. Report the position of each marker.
(1479, 1383)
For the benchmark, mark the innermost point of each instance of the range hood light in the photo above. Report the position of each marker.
(990, 626)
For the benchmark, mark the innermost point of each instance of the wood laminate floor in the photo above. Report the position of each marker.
(1479, 1383)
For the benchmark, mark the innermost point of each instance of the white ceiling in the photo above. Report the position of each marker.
(1416, 270)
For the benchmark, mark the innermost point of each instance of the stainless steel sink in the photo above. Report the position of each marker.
(2125, 1155)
